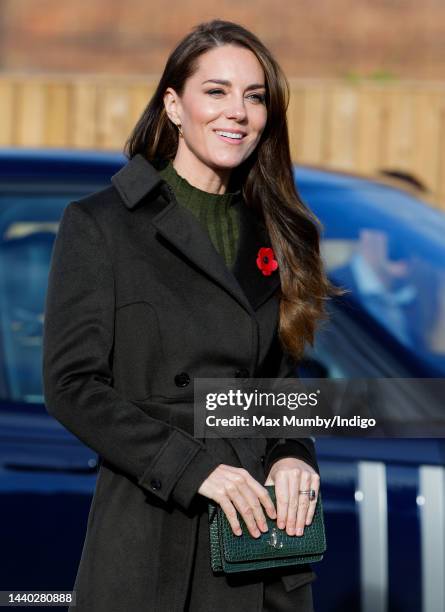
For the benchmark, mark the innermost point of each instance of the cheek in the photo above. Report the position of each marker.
(262, 118)
(258, 119)
(200, 115)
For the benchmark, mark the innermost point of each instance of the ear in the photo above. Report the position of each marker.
(172, 105)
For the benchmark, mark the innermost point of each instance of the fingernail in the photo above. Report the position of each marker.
(264, 527)
(299, 531)
(281, 524)
(239, 531)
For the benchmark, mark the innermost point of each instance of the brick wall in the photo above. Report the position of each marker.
(322, 38)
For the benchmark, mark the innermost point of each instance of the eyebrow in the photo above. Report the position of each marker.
(228, 83)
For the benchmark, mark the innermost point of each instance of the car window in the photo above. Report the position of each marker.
(403, 290)
(28, 225)
(387, 249)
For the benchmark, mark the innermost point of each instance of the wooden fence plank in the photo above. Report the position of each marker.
(113, 124)
(369, 126)
(7, 96)
(29, 116)
(313, 128)
(58, 116)
(343, 127)
(84, 114)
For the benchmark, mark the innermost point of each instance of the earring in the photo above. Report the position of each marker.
(180, 130)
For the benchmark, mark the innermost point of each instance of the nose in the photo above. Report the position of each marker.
(236, 108)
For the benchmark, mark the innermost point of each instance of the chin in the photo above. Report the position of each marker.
(226, 163)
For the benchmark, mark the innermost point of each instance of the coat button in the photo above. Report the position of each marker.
(155, 484)
(182, 379)
(262, 459)
(242, 373)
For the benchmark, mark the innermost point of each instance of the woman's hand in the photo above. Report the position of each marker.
(294, 509)
(234, 489)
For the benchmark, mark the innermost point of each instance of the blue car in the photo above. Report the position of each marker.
(384, 499)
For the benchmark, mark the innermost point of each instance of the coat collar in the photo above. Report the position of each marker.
(138, 178)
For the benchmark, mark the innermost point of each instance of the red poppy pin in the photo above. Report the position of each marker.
(266, 261)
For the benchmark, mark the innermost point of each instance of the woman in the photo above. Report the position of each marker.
(154, 281)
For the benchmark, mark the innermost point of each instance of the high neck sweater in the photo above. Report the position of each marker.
(218, 213)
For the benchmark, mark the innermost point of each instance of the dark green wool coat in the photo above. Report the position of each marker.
(139, 302)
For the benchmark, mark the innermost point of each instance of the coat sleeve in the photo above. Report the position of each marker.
(78, 338)
(278, 448)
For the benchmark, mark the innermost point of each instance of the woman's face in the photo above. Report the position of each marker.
(206, 107)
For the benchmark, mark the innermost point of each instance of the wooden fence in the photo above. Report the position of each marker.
(362, 127)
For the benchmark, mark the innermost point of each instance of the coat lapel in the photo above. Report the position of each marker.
(253, 235)
(179, 226)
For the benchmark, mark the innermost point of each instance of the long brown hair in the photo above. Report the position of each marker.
(266, 178)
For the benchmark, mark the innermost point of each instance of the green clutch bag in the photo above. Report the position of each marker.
(231, 553)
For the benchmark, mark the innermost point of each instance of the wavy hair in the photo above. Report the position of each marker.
(265, 178)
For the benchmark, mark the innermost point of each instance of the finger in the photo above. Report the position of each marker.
(246, 511)
(263, 495)
(247, 501)
(251, 496)
(294, 486)
(282, 497)
(315, 484)
(235, 490)
(303, 502)
(230, 512)
(259, 490)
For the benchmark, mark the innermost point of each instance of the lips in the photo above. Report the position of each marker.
(231, 140)
(231, 131)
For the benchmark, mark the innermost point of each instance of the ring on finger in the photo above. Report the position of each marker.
(311, 492)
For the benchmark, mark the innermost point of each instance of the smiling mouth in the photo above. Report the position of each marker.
(230, 139)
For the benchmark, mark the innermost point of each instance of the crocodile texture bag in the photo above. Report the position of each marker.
(231, 553)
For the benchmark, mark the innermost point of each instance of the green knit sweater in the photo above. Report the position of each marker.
(218, 213)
